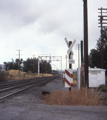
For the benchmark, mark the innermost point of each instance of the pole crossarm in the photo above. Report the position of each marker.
(102, 17)
(102, 21)
(102, 8)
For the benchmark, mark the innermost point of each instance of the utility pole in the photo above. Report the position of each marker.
(42, 68)
(101, 25)
(81, 51)
(46, 65)
(19, 60)
(82, 68)
(86, 43)
(33, 63)
(78, 55)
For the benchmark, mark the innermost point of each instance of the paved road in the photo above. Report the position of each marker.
(28, 106)
(47, 112)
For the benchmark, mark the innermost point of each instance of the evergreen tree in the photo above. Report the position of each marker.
(95, 54)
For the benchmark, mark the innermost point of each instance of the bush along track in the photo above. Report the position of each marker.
(102, 88)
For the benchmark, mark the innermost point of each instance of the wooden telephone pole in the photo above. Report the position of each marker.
(86, 43)
(102, 18)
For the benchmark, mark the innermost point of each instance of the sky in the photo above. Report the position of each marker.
(39, 27)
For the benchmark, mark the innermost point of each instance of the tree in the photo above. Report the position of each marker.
(13, 65)
(104, 40)
(95, 54)
(45, 67)
(6, 65)
(105, 58)
(94, 58)
(28, 65)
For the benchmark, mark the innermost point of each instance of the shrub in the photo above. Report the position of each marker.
(3, 76)
(74, 97)
(102, 88)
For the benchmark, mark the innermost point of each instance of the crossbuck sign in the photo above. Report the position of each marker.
(69, 72)
(71, 46)
(71, 61)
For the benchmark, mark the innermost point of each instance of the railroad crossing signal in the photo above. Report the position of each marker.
(71, 46)
(69, 72)
(68, 78)
(67, 42)
(71, 61)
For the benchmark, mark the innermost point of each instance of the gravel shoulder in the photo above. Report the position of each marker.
(29, 106)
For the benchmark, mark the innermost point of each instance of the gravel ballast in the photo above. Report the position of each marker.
(29, 106)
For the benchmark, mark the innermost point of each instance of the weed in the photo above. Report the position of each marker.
(3, 76)
(74, 97)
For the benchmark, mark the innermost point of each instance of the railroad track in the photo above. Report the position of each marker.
(9, 89)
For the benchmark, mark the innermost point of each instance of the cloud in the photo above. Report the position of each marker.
(40, 26)
(15, 14)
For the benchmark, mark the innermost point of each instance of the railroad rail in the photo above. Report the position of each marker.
(8, 89)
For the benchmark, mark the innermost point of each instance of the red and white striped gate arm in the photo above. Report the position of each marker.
(68, 78)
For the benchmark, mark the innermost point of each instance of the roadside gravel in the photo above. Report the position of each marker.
(29, 106)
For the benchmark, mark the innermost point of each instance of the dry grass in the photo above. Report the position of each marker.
(14, 74)
(74, 97)
(3, 76)
(75, 79)
(74, 76)
(45, 75)
(75, 82)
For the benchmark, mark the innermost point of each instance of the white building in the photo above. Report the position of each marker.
(96, 77)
